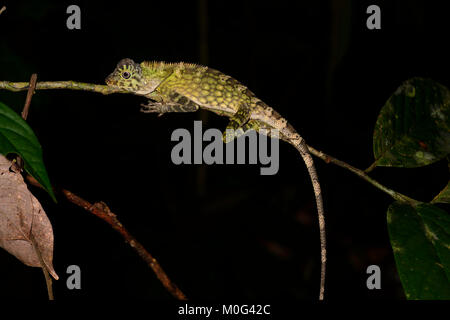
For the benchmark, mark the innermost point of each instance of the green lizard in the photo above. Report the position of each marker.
(185, 87)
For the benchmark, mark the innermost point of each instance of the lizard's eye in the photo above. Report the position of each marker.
(126, 75)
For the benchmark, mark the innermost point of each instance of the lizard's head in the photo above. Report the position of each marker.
(127, 76)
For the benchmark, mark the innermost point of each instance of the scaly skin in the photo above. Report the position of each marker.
(185, 87)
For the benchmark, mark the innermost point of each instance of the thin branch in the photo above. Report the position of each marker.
(70, 85)
(371, 167)
(30, 93)
(2, 9)
(102, 211)
(394, 194)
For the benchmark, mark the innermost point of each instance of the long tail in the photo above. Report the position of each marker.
(272, 119)
(304, 152)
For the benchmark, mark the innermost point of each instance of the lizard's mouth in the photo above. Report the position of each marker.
(109, 80)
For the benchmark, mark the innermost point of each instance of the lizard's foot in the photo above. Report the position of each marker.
(157, 107)
(154, 107)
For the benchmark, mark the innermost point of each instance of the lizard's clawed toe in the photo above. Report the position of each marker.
(147, 108)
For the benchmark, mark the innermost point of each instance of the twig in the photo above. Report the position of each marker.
(71, 85)
(102, 211)
(394, 194)
(30, 93)
(26, 108)
(371, 167)
(2, 9)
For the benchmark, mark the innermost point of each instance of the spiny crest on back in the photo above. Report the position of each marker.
(162, 65)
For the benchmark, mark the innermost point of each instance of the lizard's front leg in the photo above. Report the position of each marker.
(164, 107)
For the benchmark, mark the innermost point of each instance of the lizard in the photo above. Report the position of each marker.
(188, 87)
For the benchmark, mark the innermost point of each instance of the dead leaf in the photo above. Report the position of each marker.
(23, 219)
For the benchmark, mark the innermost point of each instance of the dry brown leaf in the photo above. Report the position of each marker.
(23, 219)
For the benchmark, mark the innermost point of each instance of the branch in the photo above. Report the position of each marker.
(31, 87)
(70, 85)
(394, 194)
(2, 9)
(102, 211)
(20, 86)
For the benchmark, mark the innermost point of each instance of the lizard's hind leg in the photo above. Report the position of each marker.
(235, 127)
(261, 128)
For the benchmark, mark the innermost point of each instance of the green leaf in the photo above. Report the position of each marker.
(420, 239)
(437, 229)
(443, 196)
(413, 127)
(16, 136)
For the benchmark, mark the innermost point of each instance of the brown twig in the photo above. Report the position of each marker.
(26, 108)
(30, 93)
(2, 9)
(102, 211)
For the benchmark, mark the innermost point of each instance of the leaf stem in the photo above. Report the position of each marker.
(48, 279)
(371, 167)
(394, 194)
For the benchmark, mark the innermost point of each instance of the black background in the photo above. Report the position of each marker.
(235, 234)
